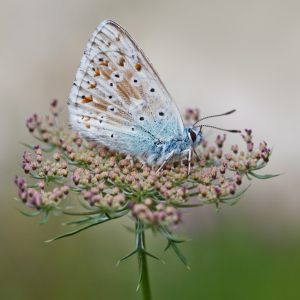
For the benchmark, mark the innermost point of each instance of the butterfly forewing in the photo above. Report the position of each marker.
(118, 98)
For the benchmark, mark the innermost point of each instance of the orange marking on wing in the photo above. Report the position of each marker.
(121, 62)
(92, 86)
(88, 126)
(87, 99)
(105, 63)
(97, 72)
(138, 67)
(86, 120)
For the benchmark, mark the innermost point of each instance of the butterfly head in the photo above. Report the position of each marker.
(195, 136)
(195, 133)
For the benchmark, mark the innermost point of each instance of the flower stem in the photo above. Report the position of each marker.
(144, 268)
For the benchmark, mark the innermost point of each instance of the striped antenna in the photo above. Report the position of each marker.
(228, 113)
(228, 130)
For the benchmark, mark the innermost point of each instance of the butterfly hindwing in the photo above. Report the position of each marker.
(118, 98)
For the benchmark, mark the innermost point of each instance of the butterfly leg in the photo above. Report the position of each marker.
(189, 161)
(196, 153)
(166, 159)
(189, 152)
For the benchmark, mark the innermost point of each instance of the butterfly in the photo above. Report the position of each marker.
(119, 100)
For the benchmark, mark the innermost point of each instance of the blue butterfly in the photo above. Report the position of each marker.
(119, 101)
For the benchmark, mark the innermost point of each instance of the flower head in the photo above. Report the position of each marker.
(111, 184)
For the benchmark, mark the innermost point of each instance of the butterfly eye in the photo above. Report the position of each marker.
(193, 135)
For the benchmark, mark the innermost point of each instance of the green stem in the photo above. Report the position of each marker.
(144, 268)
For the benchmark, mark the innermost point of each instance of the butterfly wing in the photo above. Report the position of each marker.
(118, 98)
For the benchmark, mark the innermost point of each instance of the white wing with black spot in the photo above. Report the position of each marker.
(118, 98)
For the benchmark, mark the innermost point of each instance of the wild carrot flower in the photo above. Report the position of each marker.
(111, 185)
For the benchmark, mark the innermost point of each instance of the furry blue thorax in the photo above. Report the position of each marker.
(179, 145)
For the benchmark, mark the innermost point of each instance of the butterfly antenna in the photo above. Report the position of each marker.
(228, 113)
(228, 130)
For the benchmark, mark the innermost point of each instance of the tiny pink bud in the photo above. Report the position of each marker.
(159, 206)
(148, 201)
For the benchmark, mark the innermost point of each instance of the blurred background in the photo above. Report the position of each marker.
(216, 55)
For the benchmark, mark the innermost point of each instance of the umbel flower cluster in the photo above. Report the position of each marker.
(110, 185)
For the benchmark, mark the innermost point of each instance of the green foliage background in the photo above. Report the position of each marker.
(229, 261)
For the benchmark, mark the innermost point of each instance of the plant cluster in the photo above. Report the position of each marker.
(110, 185)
